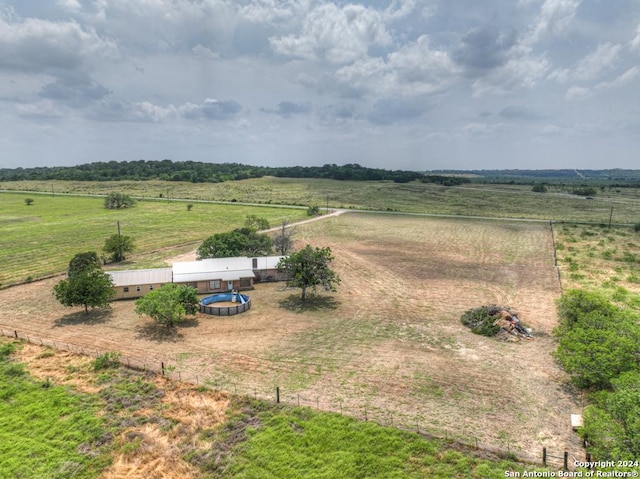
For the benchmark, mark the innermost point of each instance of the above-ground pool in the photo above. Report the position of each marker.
(225, 304)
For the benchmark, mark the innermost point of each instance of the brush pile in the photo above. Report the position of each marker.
(496, 321)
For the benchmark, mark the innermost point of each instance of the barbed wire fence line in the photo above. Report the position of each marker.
(260, 390)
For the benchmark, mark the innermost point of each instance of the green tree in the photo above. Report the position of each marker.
(83, 261)
(539, 188)
(597, 341)
(239, 242)
(117, 245)
(88, 287)
(169, 304)
(255, 223)
(596, 349)
(309, 268)
(612, 422)
(116, 201)
(313, 211)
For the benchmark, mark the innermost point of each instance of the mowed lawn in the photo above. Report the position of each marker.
(40, 239)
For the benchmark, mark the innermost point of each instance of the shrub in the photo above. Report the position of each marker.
(7, 350)
(480, 320)
(115, 201)
(107, 361)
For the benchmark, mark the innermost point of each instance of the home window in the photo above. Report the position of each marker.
(215, 284)
(245, 282)
(255, 263)
(138, 288)
(125, 289)
(150, 287)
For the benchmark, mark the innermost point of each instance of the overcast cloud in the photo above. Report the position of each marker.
(397, 84)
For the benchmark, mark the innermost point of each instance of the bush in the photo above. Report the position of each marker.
(7, 350)
(636, 227)
(115, 201)
(107, 360)
(480, 320)
(539, 188)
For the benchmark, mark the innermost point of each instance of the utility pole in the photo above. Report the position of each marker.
(610, 216)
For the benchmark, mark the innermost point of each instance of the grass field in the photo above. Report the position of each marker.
(40, 239)
(601, 259)
(117, 424)
(506, 201)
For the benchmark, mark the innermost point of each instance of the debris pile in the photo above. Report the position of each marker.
(510, 327)
(496, 321)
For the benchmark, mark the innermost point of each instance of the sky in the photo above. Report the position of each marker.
(395, 84)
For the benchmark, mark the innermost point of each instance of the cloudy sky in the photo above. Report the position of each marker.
(397, 84)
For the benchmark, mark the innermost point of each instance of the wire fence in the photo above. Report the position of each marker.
(503, 447)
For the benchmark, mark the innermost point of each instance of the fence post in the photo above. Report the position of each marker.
(544, 456)
(277, 394)
(16, 334)
(162, 367)
(566, 460)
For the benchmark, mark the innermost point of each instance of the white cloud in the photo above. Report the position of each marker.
(69, 5)
(634, 44)
(44, 109)
(577, 92)
(37, 45)
(399, 9)
(522, 70)
(602, 58)
(340, 35)
(269, 11)
(554, 19)
(621, 80)
(415, 69)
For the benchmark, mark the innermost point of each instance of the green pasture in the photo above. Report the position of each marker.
(602, 259)
(287, 442)
(40, 239)
(47, 431)
(490, 200)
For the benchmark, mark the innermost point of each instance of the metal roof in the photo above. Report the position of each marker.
(267, 262)
(136, 277)
(226, 269)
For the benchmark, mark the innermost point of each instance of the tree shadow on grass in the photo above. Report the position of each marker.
(94, 316)
(162, 334)
(313, 302)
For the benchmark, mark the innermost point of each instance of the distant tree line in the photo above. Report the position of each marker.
(198, 172)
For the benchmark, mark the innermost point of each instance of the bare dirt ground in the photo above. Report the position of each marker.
(388, 345)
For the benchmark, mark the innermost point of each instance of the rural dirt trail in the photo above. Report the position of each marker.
(191, 255)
